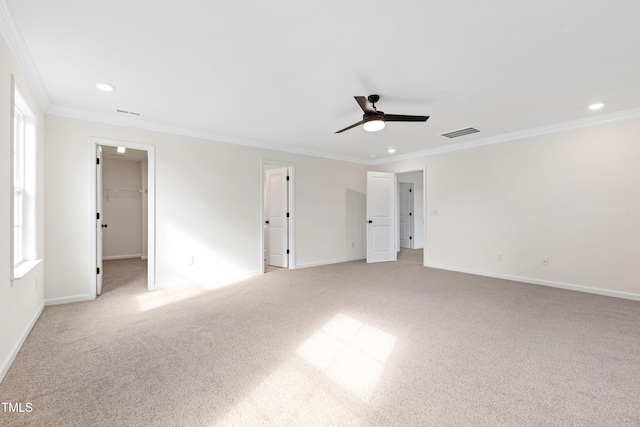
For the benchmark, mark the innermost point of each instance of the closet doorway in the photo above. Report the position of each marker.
(124, 204)
(125, 215)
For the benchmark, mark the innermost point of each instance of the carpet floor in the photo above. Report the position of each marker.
(352, 344)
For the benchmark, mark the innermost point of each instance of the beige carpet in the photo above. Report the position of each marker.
(344, 345)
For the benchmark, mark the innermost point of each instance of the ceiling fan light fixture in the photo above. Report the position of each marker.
(373, 125)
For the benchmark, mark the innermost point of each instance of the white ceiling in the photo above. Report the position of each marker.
(283, 73)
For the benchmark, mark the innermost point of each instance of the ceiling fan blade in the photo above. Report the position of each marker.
(352, 126)
(364, 104)
(403, 118)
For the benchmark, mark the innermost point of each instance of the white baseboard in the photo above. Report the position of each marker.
(550, 283)
(329, 262)
(112, 257)
(6, 364)
(67, 300)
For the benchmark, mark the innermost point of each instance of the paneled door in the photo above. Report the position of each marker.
(381, 227)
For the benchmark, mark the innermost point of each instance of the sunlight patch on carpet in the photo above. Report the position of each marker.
(349, 352)
(292, 395)
(160, 298)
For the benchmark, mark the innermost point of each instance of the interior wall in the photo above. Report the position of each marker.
(571, 197)
(20, 304)
(208, 206)
(121, 208)
(417, 178)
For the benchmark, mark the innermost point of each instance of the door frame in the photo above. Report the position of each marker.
(291, 207)
(151, 208)
(411, 217)
(424, 210)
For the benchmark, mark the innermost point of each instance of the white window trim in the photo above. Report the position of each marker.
(29, 261)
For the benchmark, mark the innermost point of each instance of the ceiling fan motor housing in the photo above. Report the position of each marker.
(378, 115)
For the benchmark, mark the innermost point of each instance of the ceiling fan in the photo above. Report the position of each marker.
(374, 120)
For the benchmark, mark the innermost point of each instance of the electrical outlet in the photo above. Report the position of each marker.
(545, 262)
(499, 257)
(353, 244)
(190, 261)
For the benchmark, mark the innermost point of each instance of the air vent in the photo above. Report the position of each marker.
(460, 132)
(129, 112)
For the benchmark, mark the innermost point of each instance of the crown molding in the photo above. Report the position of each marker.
(176, 130)
(18, 48)
(511, 136)
(527, 133)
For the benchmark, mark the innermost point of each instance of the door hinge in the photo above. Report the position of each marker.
(97, 161)
(98, 272)
(287, 251)
(410, 214)
(287, 178)
(98, 215)
(287, 214)
(410, 237)
(409, 190)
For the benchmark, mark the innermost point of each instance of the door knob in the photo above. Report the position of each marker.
(370, 221)
(104, 225)
(266, 222)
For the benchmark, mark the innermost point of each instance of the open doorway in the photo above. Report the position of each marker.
(411, 224)
(123, 188)
(124, 205)
(278, 219)
(384, 225)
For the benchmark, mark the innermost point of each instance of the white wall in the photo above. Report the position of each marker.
(121, 208)
(417, 178)
(208, 203)
(20, 304)
(572, 196)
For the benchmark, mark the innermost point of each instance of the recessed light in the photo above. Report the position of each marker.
(391, 150)
(105, 87)
(596, 106)
(121, 150)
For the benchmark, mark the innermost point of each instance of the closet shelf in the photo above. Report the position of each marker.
(115, 191)
(127, 190)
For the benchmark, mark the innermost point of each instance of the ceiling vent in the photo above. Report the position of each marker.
(460, 132)
(129, 112)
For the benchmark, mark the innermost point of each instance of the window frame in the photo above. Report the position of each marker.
(23, 253)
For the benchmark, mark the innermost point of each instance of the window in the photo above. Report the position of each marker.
(23, 181)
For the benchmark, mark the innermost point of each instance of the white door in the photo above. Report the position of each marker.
(405, 214)
(381, 236)
(277, 217)
(99, 219)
